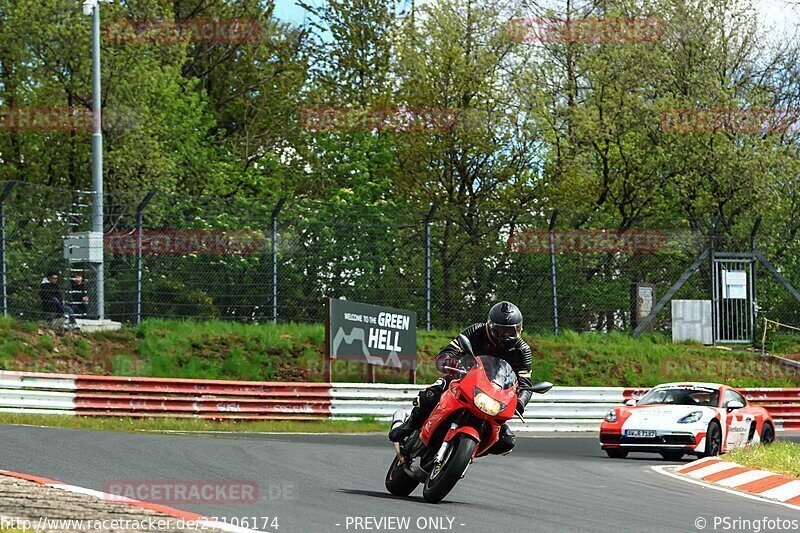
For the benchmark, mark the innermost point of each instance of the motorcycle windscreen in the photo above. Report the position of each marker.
(498, 371)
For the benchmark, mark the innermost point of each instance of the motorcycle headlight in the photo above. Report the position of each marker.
(691, 418)
(486, 403)
(611, 416)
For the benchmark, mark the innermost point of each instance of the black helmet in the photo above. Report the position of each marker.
(505, 323)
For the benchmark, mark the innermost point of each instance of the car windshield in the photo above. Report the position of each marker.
(499, 371)
(699, 396)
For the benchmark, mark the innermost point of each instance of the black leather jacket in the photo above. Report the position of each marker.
(519, 356)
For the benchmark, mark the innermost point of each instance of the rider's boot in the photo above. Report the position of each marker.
(424, 404)
(414, 421)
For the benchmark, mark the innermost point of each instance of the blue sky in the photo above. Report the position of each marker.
(781, 15)
(289, 11)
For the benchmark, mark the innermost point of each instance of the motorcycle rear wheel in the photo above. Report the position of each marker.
(397, 481)
(442, 480)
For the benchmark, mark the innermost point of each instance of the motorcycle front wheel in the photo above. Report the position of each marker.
(397, 481)
(445, 476)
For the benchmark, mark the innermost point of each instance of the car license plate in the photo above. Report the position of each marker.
(642, 433)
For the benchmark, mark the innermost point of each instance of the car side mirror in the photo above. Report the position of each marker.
(734, 404)
(630, 402)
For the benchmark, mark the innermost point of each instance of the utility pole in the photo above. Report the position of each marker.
(92, 7)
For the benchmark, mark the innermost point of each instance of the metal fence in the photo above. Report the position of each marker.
(174, 256)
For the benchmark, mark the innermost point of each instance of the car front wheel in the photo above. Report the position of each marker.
(767, 434)
(713, 440)
(672, 455)
(616, 453)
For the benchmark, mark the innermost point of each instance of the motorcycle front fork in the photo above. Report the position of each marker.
(443, 448)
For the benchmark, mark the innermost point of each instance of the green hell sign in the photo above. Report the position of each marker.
(381, 336)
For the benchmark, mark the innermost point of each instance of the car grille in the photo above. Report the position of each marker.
(610, 438)
(661, 439)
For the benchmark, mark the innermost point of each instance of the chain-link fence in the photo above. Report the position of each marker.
(258, 260)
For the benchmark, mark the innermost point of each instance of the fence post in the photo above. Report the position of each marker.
(753, 279)
(551, 233)
(428, 220)
(275, 213)
(711, 247)
(139, 210)
(3, 196)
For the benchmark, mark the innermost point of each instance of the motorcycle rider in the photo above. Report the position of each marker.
(498, 337)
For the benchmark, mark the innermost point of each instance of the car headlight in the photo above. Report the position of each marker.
(691, 418)
(611, 416)
(486, 403)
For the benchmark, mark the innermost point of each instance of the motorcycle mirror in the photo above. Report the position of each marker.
(541, 387)
(463, 341)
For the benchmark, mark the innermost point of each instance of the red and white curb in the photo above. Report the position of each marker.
(113, 498)
(738, 479)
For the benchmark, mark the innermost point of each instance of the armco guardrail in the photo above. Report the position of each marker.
(159, 397)
(562, 409)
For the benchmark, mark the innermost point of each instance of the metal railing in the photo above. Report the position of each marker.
(561, 409)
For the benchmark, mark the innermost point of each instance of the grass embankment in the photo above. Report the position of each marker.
(780, 457)
(293, 352)
(194, 424)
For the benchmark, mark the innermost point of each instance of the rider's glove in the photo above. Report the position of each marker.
(450, 361)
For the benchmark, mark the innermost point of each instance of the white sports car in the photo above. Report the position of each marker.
(675, 419)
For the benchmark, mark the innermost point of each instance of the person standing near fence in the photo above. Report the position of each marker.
(53, 305)
(78, 295)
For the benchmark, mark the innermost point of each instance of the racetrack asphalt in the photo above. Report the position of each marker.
(321, 483)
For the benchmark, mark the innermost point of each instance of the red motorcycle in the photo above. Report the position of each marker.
(464, 425)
